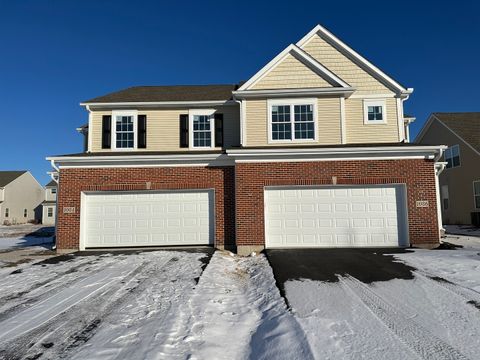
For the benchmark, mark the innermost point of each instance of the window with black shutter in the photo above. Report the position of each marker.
(184, 130)
(142, 132)
(106, 131)
(219, 130)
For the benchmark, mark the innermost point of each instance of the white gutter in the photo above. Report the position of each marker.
(439, 167)
(242, 121)
(160, 103)
(244, 94)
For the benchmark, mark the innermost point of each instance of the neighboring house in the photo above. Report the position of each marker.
(311, 151)
(21, 197)
(460, 181)
(50, 204)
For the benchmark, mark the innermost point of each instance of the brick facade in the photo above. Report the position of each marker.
(239, 191)
(418, 176)
(74, 181)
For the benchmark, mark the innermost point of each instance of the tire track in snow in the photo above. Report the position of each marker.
(65, 330)
(466, 294)
(408, 331)
(15, 301)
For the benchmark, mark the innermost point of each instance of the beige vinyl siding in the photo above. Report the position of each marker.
(358, 132)
(343, 67)
(328, 123)
(163, 128)
(290, 73)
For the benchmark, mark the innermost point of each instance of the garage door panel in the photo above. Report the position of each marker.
(149, 219)
(335, 216)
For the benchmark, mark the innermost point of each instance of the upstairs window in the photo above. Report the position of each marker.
(476, 194)
(202, 130)
(292, 120)
(452, 156)
(374, 112)
(124, 131)
(124, 124)
(7, 212)
(54, 191)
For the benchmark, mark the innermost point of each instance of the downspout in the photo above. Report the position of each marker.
(439, 167)
(52, 175)
(240, 103)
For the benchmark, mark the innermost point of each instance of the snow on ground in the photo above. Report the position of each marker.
(22, 241)
(147, 306)
(426, 317)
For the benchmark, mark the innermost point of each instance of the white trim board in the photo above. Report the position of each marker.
(360, 60)
(300, 55)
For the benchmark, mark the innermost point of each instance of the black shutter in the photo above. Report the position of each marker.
(106, 131)
(142, 132)
(219, 130)
(184, 131)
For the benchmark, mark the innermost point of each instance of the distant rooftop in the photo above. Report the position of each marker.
(6, 177)
(464, 124)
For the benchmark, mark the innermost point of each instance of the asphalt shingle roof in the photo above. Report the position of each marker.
(51, 184)
(168, 93)
(6, 177)
(464, 124)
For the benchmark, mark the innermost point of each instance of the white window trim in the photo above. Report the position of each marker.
(206, 112)
(459, 157)
(49, 211)
(369, 102)
(134, 115)
(474, 204)
(291, 102)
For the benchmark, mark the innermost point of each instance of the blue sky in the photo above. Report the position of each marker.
(55, 54)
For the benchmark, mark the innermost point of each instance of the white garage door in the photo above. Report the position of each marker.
(335, 216)
(147, 219)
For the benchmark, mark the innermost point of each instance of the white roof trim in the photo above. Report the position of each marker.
(367, 64)
(187, 159)
(304, 56)
(160, 103)
(346, 91)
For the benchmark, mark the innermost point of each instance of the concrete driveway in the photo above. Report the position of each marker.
(365, 303)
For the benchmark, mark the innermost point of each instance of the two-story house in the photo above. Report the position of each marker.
(20, 198)
(50, 204)
(311, 151)
(460, 181)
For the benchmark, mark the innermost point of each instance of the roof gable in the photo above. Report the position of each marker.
(297, 55)
(465, 125)
(327, 50)
(6, 177)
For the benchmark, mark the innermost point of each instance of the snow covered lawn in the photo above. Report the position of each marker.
(163, 305)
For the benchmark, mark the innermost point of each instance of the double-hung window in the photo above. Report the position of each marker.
(202, 125)
(54, 191)
(476, 194)
(292, 120)
(124, 129)
(452, 156)
(50, 212)
(374, 112)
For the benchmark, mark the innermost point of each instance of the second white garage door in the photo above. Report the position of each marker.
(147, 219)
(335, 216)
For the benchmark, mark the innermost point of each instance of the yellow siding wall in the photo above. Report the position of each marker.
(291, 73)
(163, 128)
(328, 123)
(358, 132)
(343, 67)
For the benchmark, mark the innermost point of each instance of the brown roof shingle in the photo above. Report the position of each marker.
(464, 124)
(168, 93)
(6, 177)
